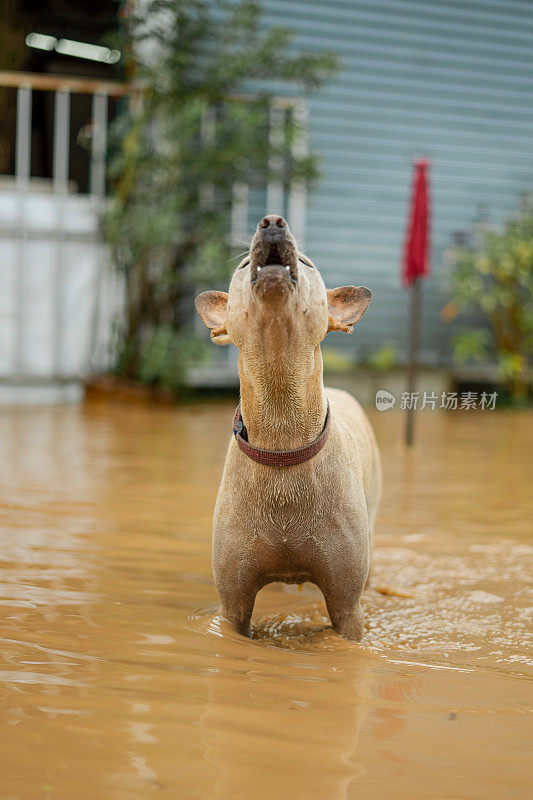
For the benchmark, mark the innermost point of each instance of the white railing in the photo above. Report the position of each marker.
(62, 87)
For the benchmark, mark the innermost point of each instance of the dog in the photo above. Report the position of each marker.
(302, 479)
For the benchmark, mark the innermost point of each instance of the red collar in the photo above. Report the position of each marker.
(278, 458)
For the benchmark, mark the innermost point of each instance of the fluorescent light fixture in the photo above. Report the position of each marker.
(40, 41)
(68, 47)
(93, 52)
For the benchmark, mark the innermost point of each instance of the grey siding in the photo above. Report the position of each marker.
(452, 80)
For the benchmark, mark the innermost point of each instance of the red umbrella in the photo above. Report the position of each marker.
(416, 265)
(416, 248)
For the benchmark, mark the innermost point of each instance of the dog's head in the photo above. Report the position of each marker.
(277, 288)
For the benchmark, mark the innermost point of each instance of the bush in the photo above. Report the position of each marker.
(493, 277)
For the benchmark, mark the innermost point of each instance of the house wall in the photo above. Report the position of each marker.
(452, 80)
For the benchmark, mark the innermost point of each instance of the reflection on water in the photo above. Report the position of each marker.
(118, 679)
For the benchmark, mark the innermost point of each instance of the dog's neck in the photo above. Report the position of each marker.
(283, 402)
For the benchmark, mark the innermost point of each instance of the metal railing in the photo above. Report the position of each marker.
(62, 86)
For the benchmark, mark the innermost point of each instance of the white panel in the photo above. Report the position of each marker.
(72, 318)
(39, 211)
(80, 214)
(40, 394)
(37, 339)
(8, 210)
(8, 252)
(78, 302)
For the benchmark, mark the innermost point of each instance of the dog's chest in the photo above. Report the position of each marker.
(286, 511)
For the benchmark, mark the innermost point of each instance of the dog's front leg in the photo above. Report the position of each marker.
(237, 596)
(346, 617)
(237, 609)
(342, 585)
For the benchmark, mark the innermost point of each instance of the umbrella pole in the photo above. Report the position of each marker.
(412, 368)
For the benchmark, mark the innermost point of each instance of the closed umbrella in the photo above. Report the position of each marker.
(415, 266)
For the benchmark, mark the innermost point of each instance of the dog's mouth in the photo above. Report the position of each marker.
(274, 254)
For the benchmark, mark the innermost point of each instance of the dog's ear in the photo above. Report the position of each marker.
(212, 307)
(346, 306)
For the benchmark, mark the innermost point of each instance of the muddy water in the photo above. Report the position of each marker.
(118, 680)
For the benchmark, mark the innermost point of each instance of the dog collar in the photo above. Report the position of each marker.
(278, 458)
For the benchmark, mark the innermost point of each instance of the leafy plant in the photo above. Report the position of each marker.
(493, 277)
(202, 128)
(336, 361)
(383, 359)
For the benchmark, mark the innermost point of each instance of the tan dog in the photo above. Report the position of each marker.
(311, 521)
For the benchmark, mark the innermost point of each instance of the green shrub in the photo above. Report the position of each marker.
(493, 277)
(383, 359)
(336, 361)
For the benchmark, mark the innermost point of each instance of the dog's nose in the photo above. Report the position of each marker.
(272, 221)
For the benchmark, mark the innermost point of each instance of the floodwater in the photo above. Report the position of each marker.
(118, 679)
